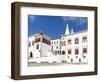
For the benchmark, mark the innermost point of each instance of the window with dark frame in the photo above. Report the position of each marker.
(46, 41)
(84, 39)
(69, 51)
(37, 46)
(63, 43)
(84, 56)
(69, 41)
(79, 60)
(63, 52)
(84, 50)
(57, 47)
(37, 40)
(76, 51)
(31, 54)
(76, 40)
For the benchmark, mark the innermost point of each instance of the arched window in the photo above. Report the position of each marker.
(63, 52)
(71, 60)
(31, 54)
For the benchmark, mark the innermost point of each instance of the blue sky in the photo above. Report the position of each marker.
(54, 26)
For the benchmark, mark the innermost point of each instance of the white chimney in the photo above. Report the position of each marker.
(67, 30)
(72, 31)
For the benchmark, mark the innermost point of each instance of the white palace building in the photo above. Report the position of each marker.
(71, 48)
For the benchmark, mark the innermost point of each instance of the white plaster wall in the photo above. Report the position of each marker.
(45, 49)
(73, 46)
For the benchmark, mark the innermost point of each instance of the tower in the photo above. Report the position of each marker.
(67, 30)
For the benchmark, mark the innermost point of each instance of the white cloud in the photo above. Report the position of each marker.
(69, 18)
(82, 20)
(79, 20)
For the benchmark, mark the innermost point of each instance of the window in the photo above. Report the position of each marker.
(63, 52)
(60, 47)
(46, 41)
(76, 40)
(29, 44)
(84, 50)
(31, 55)
(71, 60)
(52, 48)
(63, 43)
(76, 51)
(60, 52)
(69, 51)
(32, 42)
(57, 47)
(76, 56)
(84, 39)
(37, 40)
(57, 42)
(37, 46)
(84, 56)
(79, 60)
(60, 43)
(69, 41)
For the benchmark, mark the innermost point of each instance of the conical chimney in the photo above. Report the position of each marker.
(67, 30)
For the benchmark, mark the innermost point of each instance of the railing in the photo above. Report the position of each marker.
(52, 52)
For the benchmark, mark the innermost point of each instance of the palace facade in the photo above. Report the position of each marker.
(70, 47)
